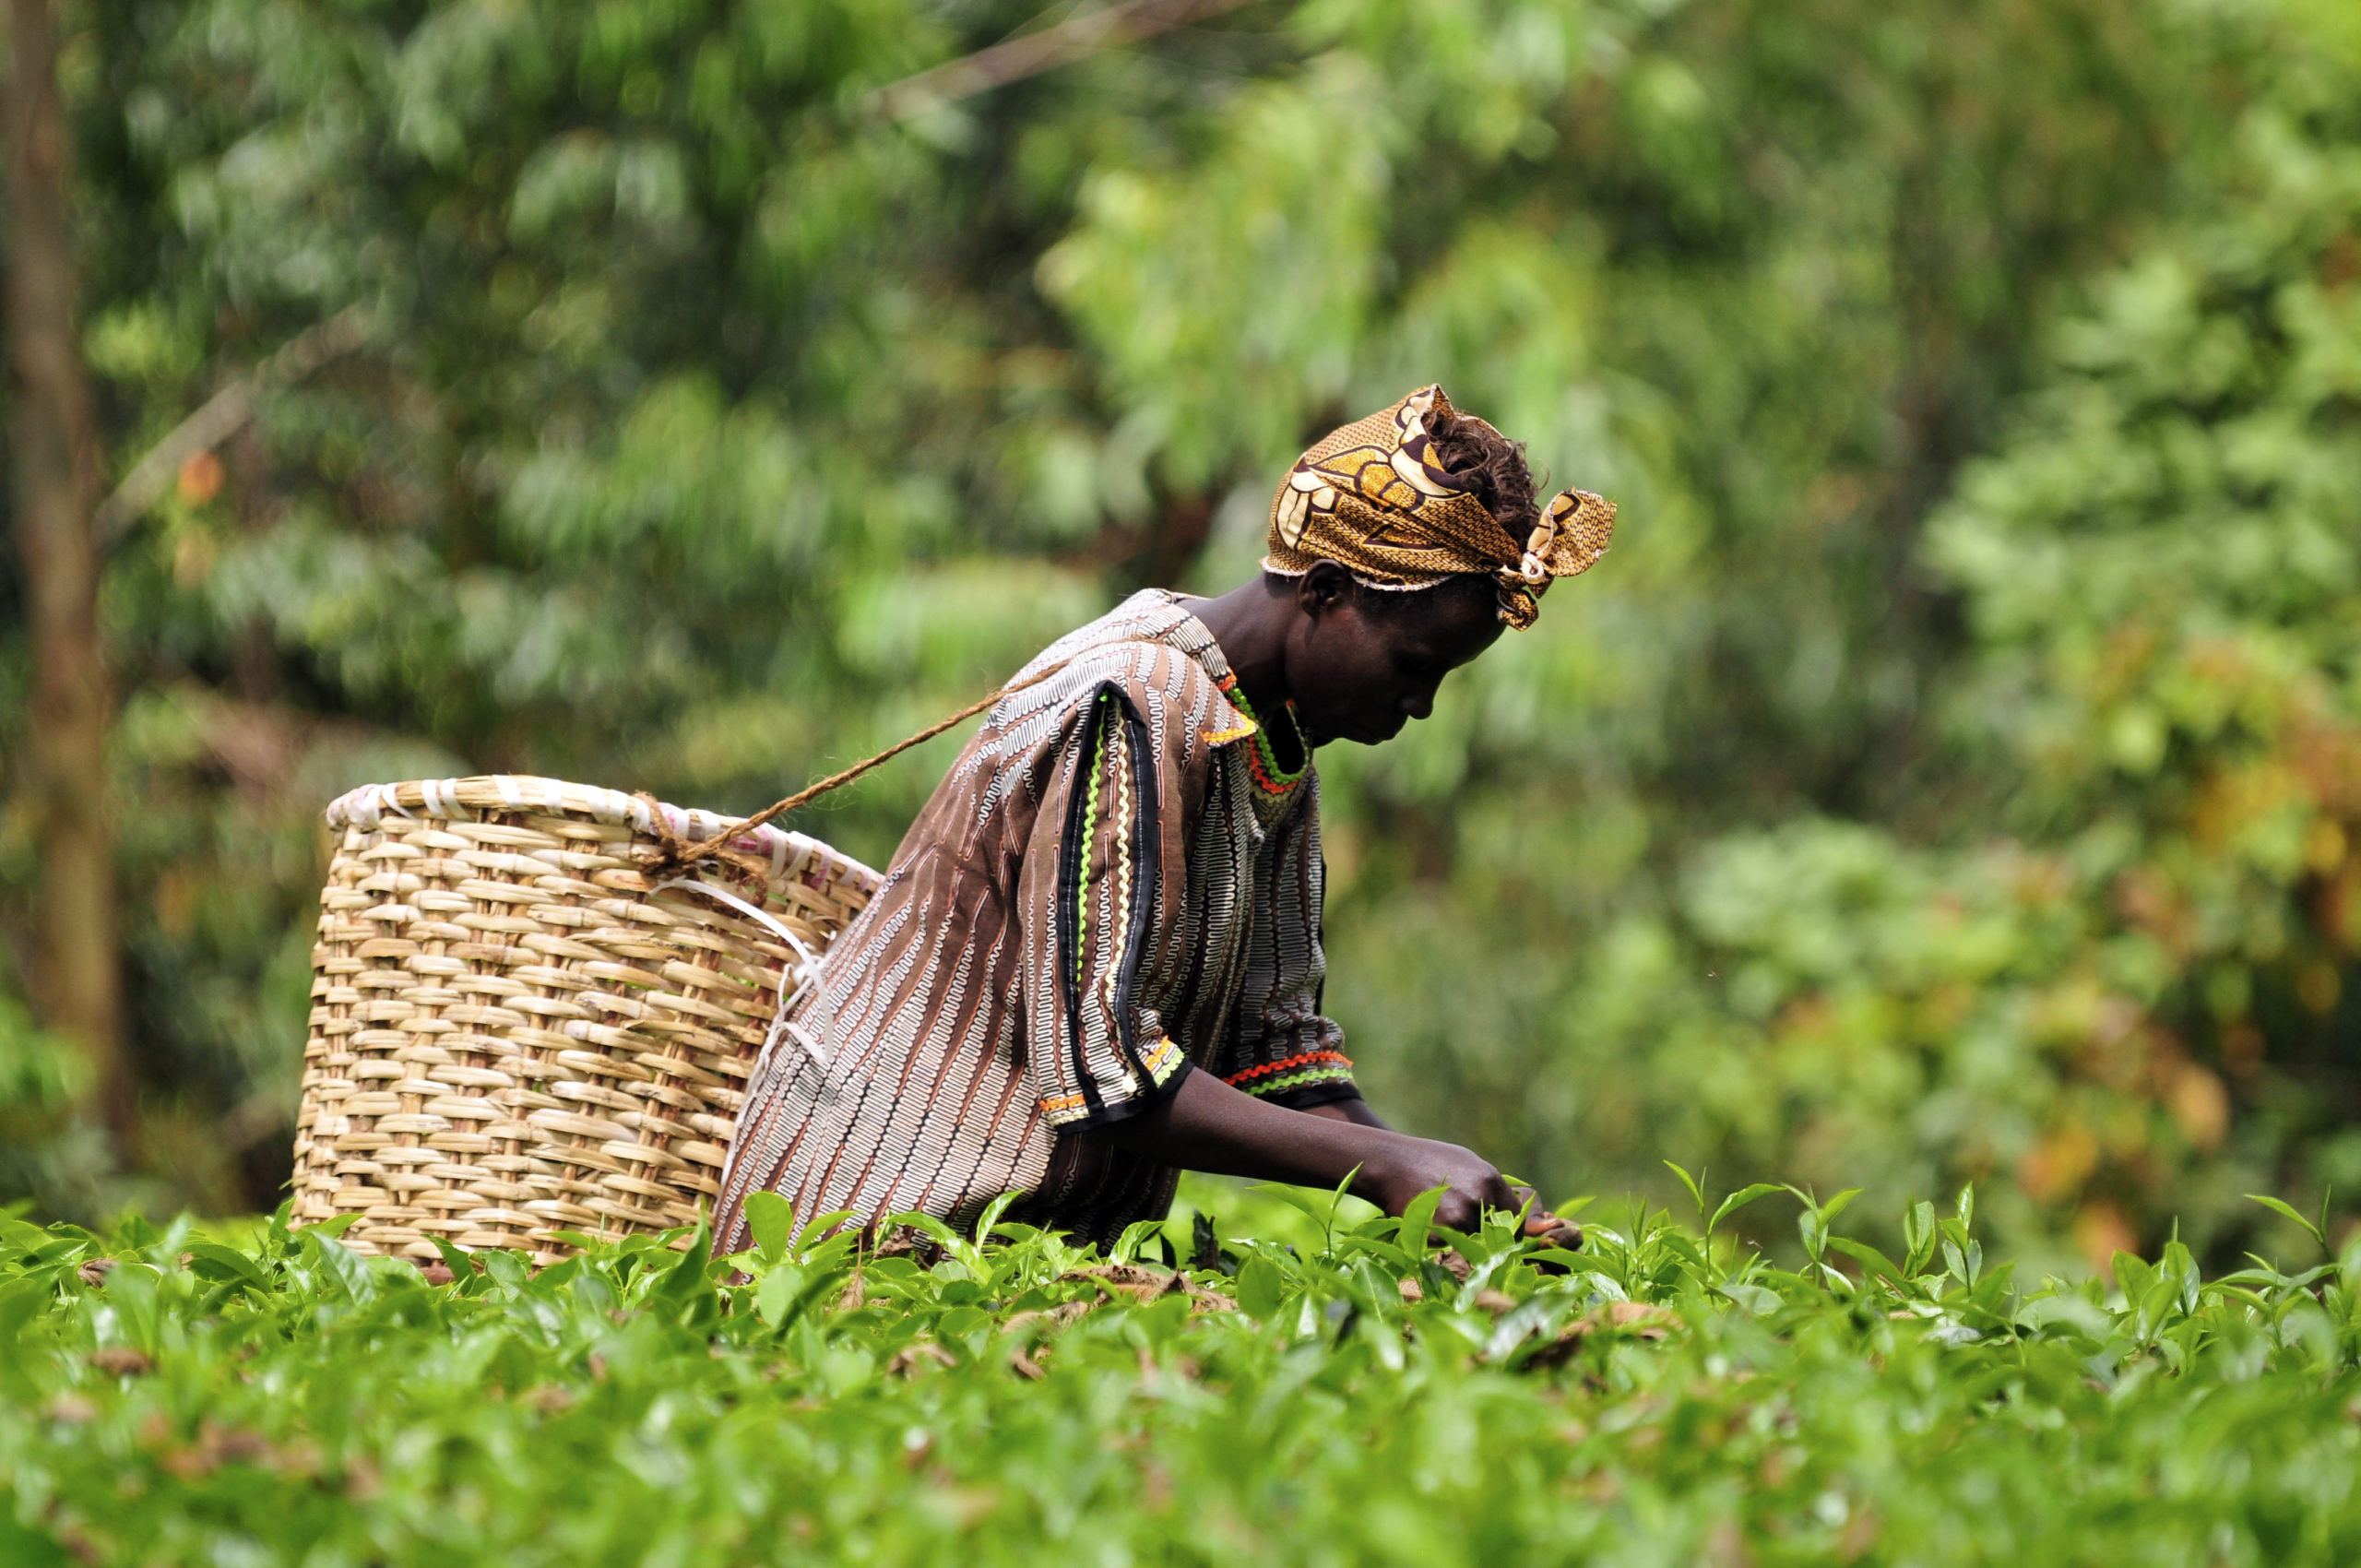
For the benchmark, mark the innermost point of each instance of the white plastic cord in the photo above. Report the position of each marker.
(806, 972)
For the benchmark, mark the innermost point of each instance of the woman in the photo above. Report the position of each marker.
(1095, 958)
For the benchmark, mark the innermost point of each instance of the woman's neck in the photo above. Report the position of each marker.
(1251, 623)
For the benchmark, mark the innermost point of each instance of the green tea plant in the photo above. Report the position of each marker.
(1378, 1390)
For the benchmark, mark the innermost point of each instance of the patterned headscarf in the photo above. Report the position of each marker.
(1372, 498)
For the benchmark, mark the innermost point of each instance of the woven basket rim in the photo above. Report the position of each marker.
(790, 853)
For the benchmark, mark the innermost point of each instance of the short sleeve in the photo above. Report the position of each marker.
(1097, 917)
(1280, 1046)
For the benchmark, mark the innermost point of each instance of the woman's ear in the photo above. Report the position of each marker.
(1320, 591)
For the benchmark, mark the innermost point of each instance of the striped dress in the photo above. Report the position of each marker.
(1115, 886)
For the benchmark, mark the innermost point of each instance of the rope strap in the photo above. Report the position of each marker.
(678, 853)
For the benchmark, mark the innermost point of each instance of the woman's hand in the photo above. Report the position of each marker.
(1474, 1187)
(1401, 1167)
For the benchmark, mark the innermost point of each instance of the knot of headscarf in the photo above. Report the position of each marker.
(1372, 498)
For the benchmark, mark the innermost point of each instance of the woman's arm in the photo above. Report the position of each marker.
(1205, 1124)
(1353, 1110)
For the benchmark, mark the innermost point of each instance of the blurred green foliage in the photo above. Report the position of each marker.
(1945, 777)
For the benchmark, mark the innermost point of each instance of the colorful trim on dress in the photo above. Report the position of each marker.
(1098, 762)
(1102, 921)
(1262, 761)
(1294, 1072)
(1159, 1056)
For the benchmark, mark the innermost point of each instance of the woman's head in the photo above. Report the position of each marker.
(1364, 660)
(1407, 540)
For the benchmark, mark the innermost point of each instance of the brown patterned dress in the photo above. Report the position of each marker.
(1115, 885)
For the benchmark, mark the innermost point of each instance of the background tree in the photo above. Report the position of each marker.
(53, 456)
(718, 419)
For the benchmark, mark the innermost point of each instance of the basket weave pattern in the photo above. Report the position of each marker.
(515, 1032)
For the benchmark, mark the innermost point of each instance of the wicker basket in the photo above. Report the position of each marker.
(516, 1032)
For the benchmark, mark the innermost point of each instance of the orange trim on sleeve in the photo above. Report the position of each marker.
(1309, 1058)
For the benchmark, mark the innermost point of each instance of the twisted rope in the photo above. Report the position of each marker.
(678, 853)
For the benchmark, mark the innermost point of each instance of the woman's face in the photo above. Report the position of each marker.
(1363, 662)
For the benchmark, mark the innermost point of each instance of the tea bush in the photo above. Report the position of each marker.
(1375, 1391)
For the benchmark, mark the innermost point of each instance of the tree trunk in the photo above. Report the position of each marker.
(54, 460)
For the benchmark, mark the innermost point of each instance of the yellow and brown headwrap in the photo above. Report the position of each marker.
(1372, 498)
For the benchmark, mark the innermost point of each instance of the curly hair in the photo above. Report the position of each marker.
(1504, 483)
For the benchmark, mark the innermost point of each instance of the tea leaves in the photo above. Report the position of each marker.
(1381, 1391)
